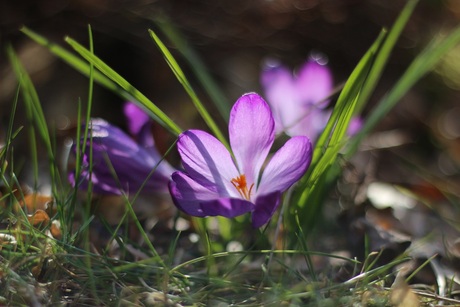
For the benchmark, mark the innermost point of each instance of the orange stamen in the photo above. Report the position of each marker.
(242, 187)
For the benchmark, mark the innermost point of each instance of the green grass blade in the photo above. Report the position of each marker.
(86, 234)
(324, 170)
(382, 57)
(75, 62)
(36, 115)
(197, 66)
(90, 88)
(154, 111)
(84, 68)
(338, 123)
(361, 82)
(127, 92)
(421, 65)
(9, 133)
(188, 88)
(330, 141)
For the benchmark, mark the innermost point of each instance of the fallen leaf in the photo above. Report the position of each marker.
(39, 218)
(56, 230)
(32, 202)
(401, 295)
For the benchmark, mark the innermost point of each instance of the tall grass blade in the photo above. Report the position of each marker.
(105, 77)
(197, 65)
(137, 96)
(9, 133)
(382, 57)
(312, 185)
(75, 62)
(419, 67)
(324, 170)
(36, 115)
(89, 194)
(188, 88)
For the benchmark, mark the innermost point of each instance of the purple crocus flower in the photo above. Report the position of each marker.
(132, 160)
(217, 182)
(298, 101)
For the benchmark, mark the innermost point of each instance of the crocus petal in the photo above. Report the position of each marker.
(115, 151)
(314, 83)
(197, 200)
(140, 126)
(136, 117)
(227, 207)
(265, 206)
(281, 93)
(208, 162)
(251, 132)
(286, 166)
(273, 72)
(187, 194)
(311, 124)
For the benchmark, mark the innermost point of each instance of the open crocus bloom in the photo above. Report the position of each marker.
(116, 152)
(298, 102)
(215, 183)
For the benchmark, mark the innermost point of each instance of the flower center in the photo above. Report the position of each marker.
(242, 187)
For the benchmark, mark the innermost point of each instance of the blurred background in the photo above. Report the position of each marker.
(417, 146)
(233, 38)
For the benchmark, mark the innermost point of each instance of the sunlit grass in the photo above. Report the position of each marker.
(276, 265)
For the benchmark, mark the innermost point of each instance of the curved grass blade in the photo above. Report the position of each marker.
(188, 88)
(35, 115)
(324, 170)
(159, 115)
(331, 140)
(9, 133)
(419, 67)
(197, 65)
(382, 57)
(105, 77)
(75, 62)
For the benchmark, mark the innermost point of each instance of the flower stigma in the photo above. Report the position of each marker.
(241, 186)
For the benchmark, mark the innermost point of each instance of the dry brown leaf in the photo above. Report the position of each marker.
(55, 231)
(39, 218)
(36, 270)
(401, 295)
(32, 202)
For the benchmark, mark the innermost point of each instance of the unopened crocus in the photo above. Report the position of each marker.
(217, 182)
(122, 163)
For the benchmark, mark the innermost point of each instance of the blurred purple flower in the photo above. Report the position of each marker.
(298, 101)
(217, 183)
(132, 160)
